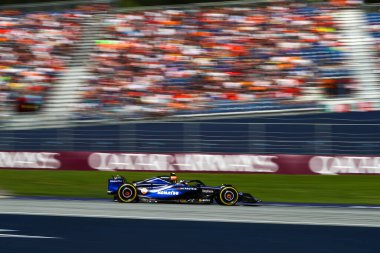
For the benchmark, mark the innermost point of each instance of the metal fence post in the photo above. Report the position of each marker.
(257, 136)
(127, 137)
(322, 139)
(3, 142)
(65, 136)
(191, 134)
(10, 140)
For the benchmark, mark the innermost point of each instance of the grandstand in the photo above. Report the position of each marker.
(87, 67)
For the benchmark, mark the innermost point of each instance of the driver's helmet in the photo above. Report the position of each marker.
(173, 177)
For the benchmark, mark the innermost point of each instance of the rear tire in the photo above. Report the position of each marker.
(228, 196)
(127, 193)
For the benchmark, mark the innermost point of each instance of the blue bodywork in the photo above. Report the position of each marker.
(114, 184)
(157, 188)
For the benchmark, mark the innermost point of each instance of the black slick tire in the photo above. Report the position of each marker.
(228, 196)
(127, 193)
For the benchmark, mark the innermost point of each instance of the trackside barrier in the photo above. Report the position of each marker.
(192, 162)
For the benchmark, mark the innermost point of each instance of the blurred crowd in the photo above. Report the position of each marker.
(168, 61)
(172, 61)
(33, 50)
(374, 28)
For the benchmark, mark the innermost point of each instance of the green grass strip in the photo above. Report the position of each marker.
(343, 189)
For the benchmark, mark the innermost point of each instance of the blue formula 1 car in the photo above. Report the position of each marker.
(167, 189)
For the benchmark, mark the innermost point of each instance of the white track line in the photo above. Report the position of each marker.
(196, 219)
(28, 236)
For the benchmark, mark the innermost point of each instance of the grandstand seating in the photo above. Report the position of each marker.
(265, 58)
(182, 61)
(374, 28)
(34, 49)
(193, 60)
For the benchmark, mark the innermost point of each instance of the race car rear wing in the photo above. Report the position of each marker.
(114, 183)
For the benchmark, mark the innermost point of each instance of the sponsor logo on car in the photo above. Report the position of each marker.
(144, 191)
(188, 188)
(173, 193)
(116, 180)
(207, 191)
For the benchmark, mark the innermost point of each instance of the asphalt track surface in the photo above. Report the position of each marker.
(55, 226)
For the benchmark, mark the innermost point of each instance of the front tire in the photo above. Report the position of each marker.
(228, 196)
(127, 193)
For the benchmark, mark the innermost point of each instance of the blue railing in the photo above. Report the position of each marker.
(332, 133)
